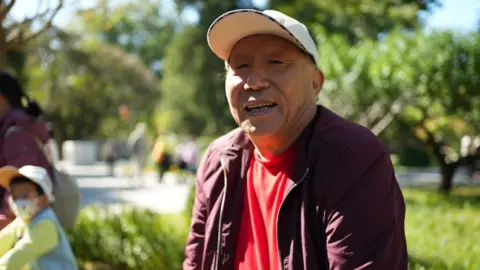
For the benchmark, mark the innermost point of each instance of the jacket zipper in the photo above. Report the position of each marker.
(219, 234)
(280, 210)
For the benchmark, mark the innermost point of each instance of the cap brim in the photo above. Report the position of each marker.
(232, 26)
(7, 173)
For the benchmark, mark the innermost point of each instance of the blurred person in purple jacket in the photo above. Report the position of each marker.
(20, 129)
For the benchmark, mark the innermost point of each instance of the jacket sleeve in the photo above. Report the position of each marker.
(42, 239)
(8, 236)
(365, 228)
(21, 148)
(195, 240)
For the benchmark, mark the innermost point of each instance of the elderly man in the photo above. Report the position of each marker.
(296, 186)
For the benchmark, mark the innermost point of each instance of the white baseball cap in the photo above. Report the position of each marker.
(36, 174)
(234, 25)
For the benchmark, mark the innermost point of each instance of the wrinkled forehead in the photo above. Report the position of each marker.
(268, 46)
(263, 43)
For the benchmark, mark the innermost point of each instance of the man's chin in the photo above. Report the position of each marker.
(258, 131)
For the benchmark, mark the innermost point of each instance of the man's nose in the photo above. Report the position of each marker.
(256, 80)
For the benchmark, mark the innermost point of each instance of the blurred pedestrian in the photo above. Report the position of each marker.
(20, 134)
(110, 154)
(162, 154)
(137, 147)
(189, 154)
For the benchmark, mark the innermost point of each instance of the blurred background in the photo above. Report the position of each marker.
(407, 69)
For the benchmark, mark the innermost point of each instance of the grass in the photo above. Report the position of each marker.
(443, 232)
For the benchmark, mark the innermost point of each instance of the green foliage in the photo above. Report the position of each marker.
(129, 238)
(82, 85)
(18, 34)
(442, 231)
(194, 73)
(141, 28)
(356, 20)
(426, 82)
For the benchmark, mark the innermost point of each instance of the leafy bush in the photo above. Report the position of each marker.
(128, 238)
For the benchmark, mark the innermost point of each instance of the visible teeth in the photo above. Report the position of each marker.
(261, 109)
(249, 107)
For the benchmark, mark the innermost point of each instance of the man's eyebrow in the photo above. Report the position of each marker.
(237, 57)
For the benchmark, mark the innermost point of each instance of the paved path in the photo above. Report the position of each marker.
(164, 198)
(170, 197)
(98, 188)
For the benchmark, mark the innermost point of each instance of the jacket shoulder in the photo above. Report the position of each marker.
(228, 140)
(347, 151)
(340, 136)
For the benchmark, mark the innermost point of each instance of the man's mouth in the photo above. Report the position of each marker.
(258, 108)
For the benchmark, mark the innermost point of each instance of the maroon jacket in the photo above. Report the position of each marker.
(343, 210)
(19, 149)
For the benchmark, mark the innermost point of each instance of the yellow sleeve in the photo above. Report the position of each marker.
(8, 236)
(42, 238)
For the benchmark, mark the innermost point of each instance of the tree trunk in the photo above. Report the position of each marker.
(447, 171)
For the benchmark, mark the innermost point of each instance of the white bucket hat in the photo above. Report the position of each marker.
(36, 174)
(234, 25)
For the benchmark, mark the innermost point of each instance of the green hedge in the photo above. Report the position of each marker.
(128, 238)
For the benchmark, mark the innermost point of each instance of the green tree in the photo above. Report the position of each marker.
(426, 85)
(82, 85)
(354, 19)
(141, 28)
(446, 76)
(16, 35)
(193, 83)
(438, 76)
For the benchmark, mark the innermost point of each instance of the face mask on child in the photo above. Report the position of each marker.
(25, 209)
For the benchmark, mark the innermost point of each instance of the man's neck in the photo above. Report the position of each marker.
(271, 146)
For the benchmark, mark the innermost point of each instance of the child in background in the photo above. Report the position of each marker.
(35, 240)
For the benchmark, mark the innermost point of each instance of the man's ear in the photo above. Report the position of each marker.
(318, 80)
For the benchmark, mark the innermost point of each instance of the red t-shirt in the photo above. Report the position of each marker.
(266, 186)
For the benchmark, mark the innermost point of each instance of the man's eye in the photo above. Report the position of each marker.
(241, 66)
(276, 62)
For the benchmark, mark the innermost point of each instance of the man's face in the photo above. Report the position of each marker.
(270, 84)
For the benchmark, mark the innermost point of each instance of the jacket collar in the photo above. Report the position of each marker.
(302, 160)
